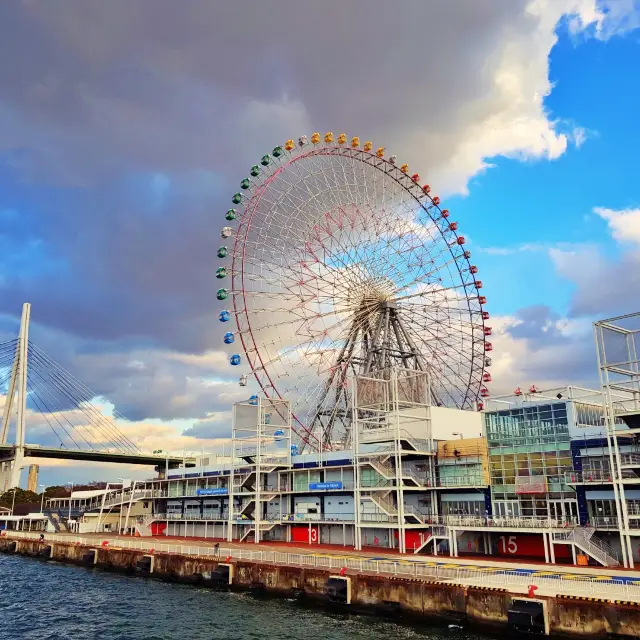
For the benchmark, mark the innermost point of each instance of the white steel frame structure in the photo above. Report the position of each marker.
(391, 414)
(261, 445)
(617, 347)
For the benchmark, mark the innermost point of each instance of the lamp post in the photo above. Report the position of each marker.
(13, 502)
(121, 505)
(44, 486)
(70, 494)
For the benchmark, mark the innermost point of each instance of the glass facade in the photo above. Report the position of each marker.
(588, 415)
(529, 442)
(451, 475)
(528, 426)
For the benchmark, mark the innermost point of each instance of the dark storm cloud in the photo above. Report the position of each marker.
(218, 425)
(125, 126)
(538, 325)
(98, 92)
(544, 348)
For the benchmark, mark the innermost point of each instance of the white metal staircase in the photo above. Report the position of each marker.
(143, 525)
(249, 534)
(420, 480)
(382, 501)
(583, 539)
(413, 516)
(380, 464)
(593, 546)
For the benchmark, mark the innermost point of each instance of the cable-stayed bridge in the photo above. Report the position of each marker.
(40, 395)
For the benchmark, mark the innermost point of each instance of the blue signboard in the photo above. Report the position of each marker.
(212, 492)
(314, 486)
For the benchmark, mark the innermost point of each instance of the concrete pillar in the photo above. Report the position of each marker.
(630, 550)
(546, 547)
(487, 543)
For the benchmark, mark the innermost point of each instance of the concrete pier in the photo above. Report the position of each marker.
(487, 608)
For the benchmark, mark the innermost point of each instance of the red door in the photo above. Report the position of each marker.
(305, 534)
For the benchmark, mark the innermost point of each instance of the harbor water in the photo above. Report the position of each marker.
(48, 600)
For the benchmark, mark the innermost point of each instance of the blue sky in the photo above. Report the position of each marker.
(544, 203)
(122, 140)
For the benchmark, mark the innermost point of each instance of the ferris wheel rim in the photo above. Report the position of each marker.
(417, 194)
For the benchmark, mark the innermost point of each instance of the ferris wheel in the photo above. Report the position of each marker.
(335, 260)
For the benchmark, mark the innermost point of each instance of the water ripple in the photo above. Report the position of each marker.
(50, 601)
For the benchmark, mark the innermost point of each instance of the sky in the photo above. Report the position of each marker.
(125, 128)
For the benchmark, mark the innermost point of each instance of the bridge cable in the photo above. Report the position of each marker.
(37, 402)
(88, 396)
(56, 376)
(63, 395)
(57, 409)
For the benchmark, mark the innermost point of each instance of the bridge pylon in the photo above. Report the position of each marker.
(16, 400)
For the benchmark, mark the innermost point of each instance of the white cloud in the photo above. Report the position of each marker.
(530, 247)
(624, 224)
(509, 119)
(604, 286)
(537, 346)
(579, 136)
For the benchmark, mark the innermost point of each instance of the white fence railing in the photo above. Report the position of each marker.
(613, 588)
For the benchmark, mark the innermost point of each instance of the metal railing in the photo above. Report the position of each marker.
(127, 496)
(554, 584)
(594, 546)
(213, 516)
(384, 503)
(347, 518)
(604, 522)
(378, 517)
(586, 534)
(464, 481)
(376, 462)
(596, 476)
(519, 522)
(422, 479)
(410, 510)
(633, 508)
(388, 433)
(630, 459)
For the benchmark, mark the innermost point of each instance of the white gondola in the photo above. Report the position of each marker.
(243, 380)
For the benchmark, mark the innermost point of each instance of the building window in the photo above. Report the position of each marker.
(463, 508)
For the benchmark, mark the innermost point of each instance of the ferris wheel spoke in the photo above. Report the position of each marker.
(452, 347)
(329, 237)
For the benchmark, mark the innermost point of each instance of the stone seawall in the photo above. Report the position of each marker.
(489, 609)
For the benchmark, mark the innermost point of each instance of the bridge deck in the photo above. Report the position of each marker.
(7, 452)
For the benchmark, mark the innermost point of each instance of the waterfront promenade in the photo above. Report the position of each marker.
(550, 580)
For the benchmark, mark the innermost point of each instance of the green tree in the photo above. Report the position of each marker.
(22, 497)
